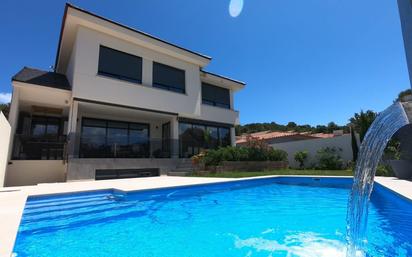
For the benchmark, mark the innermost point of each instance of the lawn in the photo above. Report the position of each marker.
(243, 174)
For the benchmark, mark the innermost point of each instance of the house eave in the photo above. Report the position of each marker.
(76, 16)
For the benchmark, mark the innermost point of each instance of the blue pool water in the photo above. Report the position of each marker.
(273, 217)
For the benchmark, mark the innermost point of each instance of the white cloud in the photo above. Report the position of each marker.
(5, 97)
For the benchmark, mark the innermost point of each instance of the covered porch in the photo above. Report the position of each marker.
(100, 130)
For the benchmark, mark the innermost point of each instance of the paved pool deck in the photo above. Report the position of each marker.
(13, 199)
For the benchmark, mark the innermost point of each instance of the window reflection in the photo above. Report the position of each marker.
(101, 138)
(194, 138)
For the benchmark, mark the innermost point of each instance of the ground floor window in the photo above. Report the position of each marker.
(194, 138)
(114, 139)
(38, 138)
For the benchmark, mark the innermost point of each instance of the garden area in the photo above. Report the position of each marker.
(257, 158)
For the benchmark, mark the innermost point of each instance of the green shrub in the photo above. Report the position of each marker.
(301, 157)
(212, 158)
(329, 159)
(231, 153)
(384, 170)
(277, 155)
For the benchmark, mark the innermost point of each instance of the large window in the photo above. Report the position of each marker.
(169, 78)
(114, 139)
(45, 127)
(194, 138)
(216, 96)
(38, 138)
(114, 63)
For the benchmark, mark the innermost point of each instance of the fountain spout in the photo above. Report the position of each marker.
(386, 124)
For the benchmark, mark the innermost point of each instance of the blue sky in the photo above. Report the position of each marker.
(307, 61)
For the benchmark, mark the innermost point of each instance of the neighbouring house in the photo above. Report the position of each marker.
(273, 137)
(119, 103)
(292, 142)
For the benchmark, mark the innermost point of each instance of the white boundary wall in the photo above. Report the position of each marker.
(313, 145)
(5, 130)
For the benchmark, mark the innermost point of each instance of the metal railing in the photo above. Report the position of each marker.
(73, 146)
(38, 148)
(101, 147)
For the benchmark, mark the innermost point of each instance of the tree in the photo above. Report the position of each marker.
(403, 94)
(5, 108)
(362, 121)
(332, 126)
(301, 157)
(291, 125)
(355, 147)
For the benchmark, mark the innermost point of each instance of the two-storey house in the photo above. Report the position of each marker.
(119, 103)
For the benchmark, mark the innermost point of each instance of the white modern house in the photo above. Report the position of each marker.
(119, 103)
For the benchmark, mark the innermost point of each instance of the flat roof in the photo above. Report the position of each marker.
(68, 5)
(223, 77)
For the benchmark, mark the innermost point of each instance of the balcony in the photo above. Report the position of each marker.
(100, 147)
(38, 148)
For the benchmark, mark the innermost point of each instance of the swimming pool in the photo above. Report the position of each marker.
(281, 216)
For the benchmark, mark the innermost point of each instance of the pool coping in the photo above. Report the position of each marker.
(13, 199)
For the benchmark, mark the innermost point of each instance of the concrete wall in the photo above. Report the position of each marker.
(81, 169)
(313, 145)
(32, 172)
(405, 12)
(5, 130)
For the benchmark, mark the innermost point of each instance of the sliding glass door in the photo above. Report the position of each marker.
(114, 139)
(195, 138)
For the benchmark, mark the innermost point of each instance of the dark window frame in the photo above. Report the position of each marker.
(107, 127)
(171, 88)
(214, 102)
(47, 123)
(118, 76)
(194, 145)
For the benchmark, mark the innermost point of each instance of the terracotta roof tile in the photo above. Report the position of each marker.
(266, 135)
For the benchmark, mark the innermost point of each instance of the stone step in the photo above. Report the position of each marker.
(189, 166)
(178, 173)
(181, 169)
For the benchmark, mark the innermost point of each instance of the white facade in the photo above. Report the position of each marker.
(4, 142)
(95, 96)
(312, 146)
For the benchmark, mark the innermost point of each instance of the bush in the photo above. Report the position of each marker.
(301, 157)
(231, 153)
(329, 159)
(277, 155)
(384, 170)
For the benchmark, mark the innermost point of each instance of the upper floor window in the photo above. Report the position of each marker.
(45, 127)
(169, 78)
(120, 65)
(216, 96)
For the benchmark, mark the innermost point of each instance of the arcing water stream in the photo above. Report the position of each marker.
(371, 150)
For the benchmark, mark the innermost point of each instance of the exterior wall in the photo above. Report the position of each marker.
(81, 169)
(71, 66)
(88, 85)
(32, 172)
(13, 117)
(313, 145)
(405, 11)
(5, 130)
(217, 114)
